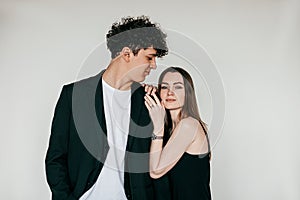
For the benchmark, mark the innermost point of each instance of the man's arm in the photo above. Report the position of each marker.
(56, 158)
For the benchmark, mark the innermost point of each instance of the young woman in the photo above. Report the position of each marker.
(180, 147)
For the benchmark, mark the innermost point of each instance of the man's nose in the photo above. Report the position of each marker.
(153, 64)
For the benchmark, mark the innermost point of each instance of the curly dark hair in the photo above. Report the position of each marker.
(136, 33)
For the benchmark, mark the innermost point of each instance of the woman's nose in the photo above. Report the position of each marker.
(170, 91)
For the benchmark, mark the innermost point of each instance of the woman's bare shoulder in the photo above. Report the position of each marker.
(190, 121)
(189, 124)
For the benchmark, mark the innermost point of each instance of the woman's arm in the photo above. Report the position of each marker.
(164, 159)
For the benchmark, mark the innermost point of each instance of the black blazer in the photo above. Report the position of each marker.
(78, 144)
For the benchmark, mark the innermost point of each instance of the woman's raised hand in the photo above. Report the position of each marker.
(157, 112)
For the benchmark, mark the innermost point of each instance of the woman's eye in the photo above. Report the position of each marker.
(178, 87)
(164, 87)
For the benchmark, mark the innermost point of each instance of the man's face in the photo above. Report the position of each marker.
(142, 63)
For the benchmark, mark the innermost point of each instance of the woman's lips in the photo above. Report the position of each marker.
(170, 100)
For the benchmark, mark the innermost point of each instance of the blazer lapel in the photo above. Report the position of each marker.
(136, 106)
(99, 107)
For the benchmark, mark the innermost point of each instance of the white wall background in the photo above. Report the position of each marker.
(254, 43)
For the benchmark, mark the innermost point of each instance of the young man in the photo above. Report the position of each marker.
(101, 130)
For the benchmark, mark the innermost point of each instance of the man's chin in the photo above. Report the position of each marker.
(141, 79)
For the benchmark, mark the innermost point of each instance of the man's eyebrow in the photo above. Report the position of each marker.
(152, 54)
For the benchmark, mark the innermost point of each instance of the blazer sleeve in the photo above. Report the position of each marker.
(57, 153)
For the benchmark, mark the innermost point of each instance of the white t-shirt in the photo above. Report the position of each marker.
(110, 183)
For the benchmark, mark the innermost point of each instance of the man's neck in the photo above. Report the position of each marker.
(115, 76)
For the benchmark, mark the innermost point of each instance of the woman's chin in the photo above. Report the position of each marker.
(172, 107)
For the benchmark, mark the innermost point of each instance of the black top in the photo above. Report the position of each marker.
(190, 178)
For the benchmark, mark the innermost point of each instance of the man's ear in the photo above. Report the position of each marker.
(125, 53)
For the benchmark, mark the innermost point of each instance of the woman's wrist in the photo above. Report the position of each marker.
(157, 137)
(158, 131)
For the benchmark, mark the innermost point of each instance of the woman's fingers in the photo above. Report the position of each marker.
(150, 100)
(156, 98)
(163, 104)
(147, 100)
(149, 88)
(154, 89)
(147, 105)
(146, 88)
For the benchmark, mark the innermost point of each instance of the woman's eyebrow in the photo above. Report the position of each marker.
(177, 83)
(173, 83)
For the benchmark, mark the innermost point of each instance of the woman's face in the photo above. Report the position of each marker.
(172, 91)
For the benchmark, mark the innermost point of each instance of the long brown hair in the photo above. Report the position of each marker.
(189, 108)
